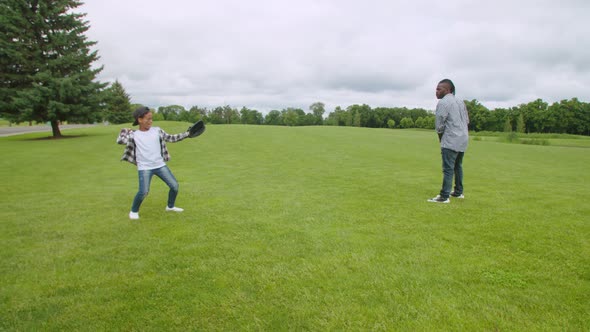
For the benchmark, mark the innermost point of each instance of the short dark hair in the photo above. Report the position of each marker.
(139, 113)
(450, 83)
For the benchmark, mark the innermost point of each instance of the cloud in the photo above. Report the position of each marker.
(268, 55)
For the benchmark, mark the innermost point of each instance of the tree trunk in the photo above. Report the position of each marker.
(55, 129)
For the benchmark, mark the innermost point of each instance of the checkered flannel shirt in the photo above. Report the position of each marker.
(126, 137)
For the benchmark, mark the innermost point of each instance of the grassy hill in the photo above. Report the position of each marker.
(304, 228)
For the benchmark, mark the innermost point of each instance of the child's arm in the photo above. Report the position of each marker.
(124, 136)
(174, 138)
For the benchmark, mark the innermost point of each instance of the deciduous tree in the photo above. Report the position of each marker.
(318, 110)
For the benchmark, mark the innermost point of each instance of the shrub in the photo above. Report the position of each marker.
(535, 141)
(406, 123)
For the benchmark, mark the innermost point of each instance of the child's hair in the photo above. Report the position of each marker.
(140, 113)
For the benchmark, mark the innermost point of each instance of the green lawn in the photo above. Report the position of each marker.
(305, 228)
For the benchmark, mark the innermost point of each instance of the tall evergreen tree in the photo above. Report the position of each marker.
(45, 66)
(118, 109)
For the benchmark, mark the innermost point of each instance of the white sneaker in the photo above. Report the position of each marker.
(453, 194)
(439, 199)
(175, 209)
(133, 215)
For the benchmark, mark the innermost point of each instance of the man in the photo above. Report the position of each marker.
(451, 126)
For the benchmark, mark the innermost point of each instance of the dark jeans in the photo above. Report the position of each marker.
(145, 178)
(452, 164)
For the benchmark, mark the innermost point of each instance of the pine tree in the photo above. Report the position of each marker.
(16, 67)
(46, 73)
(118, 108)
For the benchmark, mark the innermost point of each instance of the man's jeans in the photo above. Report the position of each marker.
(145, 178)
(452, 164)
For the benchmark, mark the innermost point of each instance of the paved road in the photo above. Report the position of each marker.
(18, 130)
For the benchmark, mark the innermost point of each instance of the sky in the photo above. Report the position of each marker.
(275, 54)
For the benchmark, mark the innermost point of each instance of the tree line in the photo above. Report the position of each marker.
(567, 116)
(354, 115)
(564, 117)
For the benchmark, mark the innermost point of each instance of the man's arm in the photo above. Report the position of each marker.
(441, 115)
(466, 112)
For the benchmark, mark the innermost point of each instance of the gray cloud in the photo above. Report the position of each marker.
(268, 54)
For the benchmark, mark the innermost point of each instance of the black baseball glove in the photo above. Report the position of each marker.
(196, 129)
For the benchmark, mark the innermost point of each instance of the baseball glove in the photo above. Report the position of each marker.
(196, 129)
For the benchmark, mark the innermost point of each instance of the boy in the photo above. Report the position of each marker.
(146, 148)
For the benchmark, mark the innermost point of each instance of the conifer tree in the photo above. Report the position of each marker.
(118, 109)
(46, 72)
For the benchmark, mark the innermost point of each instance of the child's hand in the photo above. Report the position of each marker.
(124, 135)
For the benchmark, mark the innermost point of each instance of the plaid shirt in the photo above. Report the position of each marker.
(126, 137)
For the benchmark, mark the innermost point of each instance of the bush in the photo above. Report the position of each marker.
(406, 123)
(485, 133)
(535, 141)
(513, 137)
(509, 137)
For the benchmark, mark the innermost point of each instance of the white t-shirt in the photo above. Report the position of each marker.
(148, 151)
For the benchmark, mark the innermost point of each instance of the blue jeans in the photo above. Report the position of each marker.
(452, 164)
(145, 178)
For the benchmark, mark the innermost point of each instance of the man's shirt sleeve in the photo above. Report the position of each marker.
(441, 114)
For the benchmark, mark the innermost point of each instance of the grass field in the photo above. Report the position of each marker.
(305, 228)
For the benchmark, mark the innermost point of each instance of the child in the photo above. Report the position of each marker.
(146, 148)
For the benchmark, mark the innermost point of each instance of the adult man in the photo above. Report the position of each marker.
(451, 125)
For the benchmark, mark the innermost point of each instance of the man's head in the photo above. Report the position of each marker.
(444, 87)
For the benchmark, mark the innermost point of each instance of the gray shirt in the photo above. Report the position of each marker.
(451, 121)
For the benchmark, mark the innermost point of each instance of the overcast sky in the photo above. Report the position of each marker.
(266, 54)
